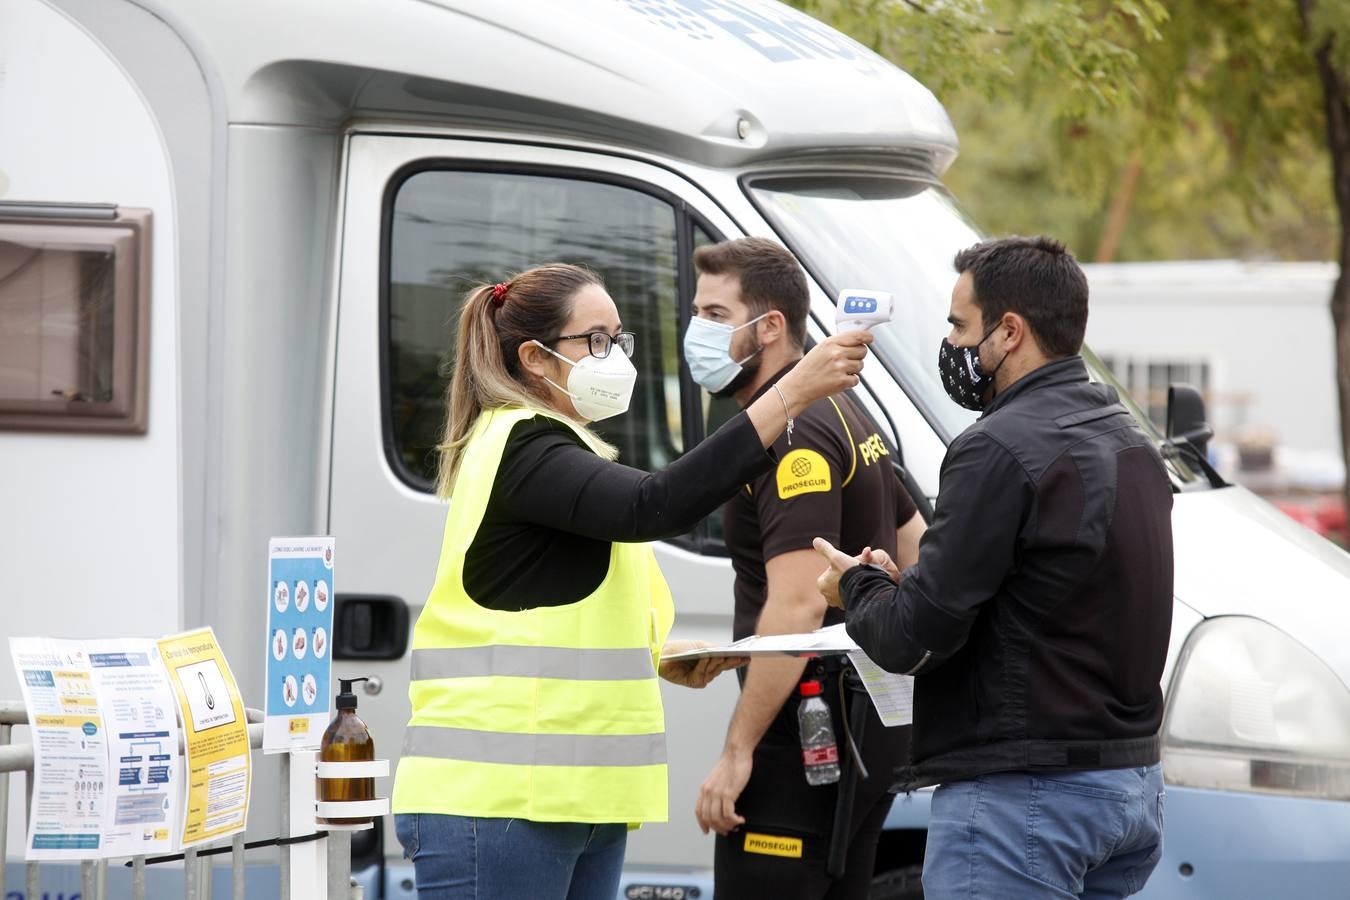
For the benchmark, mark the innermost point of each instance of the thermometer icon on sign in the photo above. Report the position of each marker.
(206, 689)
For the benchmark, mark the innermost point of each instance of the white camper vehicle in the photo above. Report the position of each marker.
(232, 236)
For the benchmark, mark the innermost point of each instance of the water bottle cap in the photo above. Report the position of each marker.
(810, 688)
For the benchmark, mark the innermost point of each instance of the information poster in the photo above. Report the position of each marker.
(70, 782)
(299, 630)
(215, 736)
(139, 715)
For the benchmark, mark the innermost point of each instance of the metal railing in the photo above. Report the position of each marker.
(197, 869)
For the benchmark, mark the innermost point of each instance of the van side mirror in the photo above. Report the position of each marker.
(1186, 417)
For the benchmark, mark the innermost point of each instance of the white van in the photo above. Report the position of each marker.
(232, 237)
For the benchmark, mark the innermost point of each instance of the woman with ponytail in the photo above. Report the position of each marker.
(537, 735)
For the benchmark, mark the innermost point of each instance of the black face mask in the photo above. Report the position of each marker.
(963, 378)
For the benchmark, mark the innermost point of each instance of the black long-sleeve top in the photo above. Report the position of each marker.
(1037, 618)
(556, 507)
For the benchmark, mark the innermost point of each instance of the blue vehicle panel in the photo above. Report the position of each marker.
(910, 811)
(1224, 844)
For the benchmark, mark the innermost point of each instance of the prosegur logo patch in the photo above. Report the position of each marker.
(773, 845)
(802, 472)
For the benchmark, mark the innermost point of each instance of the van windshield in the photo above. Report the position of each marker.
(889, 233)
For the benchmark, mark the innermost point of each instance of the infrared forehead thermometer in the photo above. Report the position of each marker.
(855, 309)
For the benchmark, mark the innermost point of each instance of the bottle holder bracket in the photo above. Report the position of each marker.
(351, 809)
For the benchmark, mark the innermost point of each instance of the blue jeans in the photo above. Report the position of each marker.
(1094, 835)
(466, 858)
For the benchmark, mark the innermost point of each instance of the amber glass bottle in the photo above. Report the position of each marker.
(347, 740)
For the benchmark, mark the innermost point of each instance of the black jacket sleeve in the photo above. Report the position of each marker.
(548, 478)
(964, 556)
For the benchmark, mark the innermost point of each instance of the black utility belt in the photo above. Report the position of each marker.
(831, 668)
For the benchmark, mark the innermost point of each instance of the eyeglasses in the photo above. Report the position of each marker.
(601, 341)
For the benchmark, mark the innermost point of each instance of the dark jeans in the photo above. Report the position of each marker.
(782, 849)
(742, 868)
(467, 858)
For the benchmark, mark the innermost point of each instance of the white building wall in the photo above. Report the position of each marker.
(1264, 328)
(89, 525)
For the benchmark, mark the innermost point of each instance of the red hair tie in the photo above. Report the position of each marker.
(499, 292)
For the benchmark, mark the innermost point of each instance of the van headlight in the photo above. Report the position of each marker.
(1251, 709)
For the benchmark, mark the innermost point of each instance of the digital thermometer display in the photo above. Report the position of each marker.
(855, 309)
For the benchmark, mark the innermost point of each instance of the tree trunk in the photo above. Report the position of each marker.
(1336, 101)
(1119, 214)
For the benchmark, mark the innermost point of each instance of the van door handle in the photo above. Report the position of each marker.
(369, 626)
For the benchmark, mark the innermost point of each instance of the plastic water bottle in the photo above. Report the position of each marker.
(820, 756)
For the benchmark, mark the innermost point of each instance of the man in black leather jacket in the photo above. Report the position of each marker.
(1037, 619)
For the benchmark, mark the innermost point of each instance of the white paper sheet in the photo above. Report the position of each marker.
(145, 796)
(892, 695)
(822, 642)
(70, 753)
(107, 776)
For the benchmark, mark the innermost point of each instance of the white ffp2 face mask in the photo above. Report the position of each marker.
(598, 388)
(707, 350)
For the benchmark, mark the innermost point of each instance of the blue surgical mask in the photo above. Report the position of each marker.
(707, 350)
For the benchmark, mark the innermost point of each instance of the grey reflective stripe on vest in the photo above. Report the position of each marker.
(535, 749)
(625, 664)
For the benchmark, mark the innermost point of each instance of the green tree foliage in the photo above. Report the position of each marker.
(1217, 104)
(1135, 129)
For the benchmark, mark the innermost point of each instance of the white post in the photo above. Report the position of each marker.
(339, 841)
(339, 862)
(88, 885)
(285, 889)
(204, 866)
(5, 729)
(192, 875)
(308, 861)
(30, 868)
(237, 867)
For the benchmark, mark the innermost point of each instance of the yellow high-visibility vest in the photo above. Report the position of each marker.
(551, 714)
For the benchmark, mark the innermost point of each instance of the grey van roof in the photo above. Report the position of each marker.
(714, 81)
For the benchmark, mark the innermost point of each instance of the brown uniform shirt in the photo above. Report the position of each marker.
(836, 480)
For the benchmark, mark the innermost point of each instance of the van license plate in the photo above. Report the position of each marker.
(661, 892)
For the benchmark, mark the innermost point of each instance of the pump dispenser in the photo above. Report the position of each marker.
(347, 740)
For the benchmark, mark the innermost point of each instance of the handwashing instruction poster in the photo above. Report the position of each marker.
(215, 736)
(107, 780)
(299, 630)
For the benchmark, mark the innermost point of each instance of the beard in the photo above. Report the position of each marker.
(749, 369)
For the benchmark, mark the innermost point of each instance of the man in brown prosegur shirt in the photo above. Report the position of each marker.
(834, 478)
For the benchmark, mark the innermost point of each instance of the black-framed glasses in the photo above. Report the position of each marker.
(600, 342)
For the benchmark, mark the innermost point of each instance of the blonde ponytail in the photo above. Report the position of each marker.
(493, 322)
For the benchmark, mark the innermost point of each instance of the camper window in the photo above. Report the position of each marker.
(451, 229)
(74, 318)
(1147, 379)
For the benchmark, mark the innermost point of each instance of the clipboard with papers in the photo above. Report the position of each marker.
(892, 695)
(821, 642)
